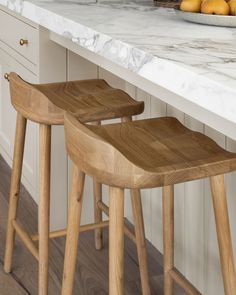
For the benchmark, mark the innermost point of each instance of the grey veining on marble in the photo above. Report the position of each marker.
(196, 62)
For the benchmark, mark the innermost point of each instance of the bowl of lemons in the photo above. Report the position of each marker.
(209, 12)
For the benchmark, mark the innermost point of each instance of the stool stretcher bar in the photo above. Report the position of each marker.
(183, 283)
(87, 227)
(26, 239)
(83, 228)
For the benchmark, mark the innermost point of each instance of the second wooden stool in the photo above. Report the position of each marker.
(146, 154)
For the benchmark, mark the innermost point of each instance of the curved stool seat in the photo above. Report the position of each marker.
(90, 101)
(146, 154)
(149, 153)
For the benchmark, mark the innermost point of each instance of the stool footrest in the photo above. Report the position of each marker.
(183, 283)
(25, 238)
(83, 228)
(102, 206)
(128, 232)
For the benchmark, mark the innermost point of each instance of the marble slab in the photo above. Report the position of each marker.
(196, 62)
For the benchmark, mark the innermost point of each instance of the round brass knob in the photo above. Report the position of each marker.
(7, 76)
(23, 42)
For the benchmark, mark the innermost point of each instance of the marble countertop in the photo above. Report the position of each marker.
(196, 62)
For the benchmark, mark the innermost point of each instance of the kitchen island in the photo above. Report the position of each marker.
(196, 64)
(190, 68)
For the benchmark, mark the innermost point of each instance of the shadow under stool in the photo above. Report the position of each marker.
(150, 153)
(45, 104)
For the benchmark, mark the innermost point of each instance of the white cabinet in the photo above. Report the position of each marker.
(39, 61)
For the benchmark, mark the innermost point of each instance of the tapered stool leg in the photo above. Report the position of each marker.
(15, 188)
(116, 241)
(97, 190)
(168, 236)
(44, 205)
(223, 234)
(140, 240)
(76, 200)
(140, 234)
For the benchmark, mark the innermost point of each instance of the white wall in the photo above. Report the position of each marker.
(196, 250)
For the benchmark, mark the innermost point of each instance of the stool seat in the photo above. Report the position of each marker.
(89, 100)
(151, 153)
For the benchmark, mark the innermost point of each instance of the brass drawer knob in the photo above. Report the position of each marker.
(23, 42)
(7, 77)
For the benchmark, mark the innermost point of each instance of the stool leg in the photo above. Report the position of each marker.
(140, 240)
(97, 191)
(168, 236)
(72, 236)
(223, 234)
(140, 234)
(15, 188)
(44, 205)
(116, 241)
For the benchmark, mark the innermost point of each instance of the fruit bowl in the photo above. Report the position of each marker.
(208, 19)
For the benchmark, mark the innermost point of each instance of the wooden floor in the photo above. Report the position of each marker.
(92, 269)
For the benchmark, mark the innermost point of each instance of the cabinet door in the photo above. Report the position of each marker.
(8, 121)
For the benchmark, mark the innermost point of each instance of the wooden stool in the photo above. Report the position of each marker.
(146, 154)
(90, 101)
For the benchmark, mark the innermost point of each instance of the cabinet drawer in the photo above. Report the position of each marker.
(15, 31)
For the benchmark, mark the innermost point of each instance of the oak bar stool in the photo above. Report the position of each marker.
(145, 154)
(90, 101)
